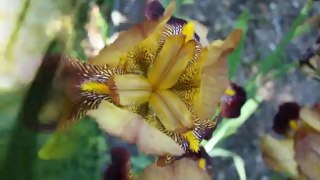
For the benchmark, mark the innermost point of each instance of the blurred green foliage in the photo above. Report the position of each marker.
(79, 153)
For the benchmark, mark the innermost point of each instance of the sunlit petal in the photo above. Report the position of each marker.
(165, 59)
(132, 128)
(193, 141)
(176, 66)
(215, 75)
(171, 111)
(129, 89)
(188, 31)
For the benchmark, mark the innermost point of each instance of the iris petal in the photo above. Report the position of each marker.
(188, 31)
(129, 89)
(133, 128)
(171, 110)
(215, 75)
(112, 53)
(178, 66)
(164, 61)
(171, 62)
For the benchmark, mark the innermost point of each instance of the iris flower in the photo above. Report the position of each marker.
(297, 154)
(156, 86)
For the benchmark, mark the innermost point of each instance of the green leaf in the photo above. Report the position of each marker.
(237, 160)
(301, 30)
(63, 144)
(276, 58)
(179, 2)
(234, 59)
(186, 1)
(59, 146)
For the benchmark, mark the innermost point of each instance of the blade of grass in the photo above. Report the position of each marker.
(274, 60)
(237, 160)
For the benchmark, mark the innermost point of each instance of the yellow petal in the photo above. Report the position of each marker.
(188, 31)
(165, 59)
(214, 77)
(96, 87)
(128, 39)
(129, 89)
(171, 110)
(193, 141)
(202, 163)
(132, 128)
(191, 77)
(171, 62)
(178, 65)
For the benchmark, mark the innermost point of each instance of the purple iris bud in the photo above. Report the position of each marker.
(232, 101)
(287, 111)
(154, 10)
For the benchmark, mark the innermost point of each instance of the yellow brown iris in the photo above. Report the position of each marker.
(156, 74)
(161, 83)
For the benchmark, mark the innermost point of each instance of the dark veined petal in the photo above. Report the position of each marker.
(203, 130)
(201, 156)
(84, 87)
